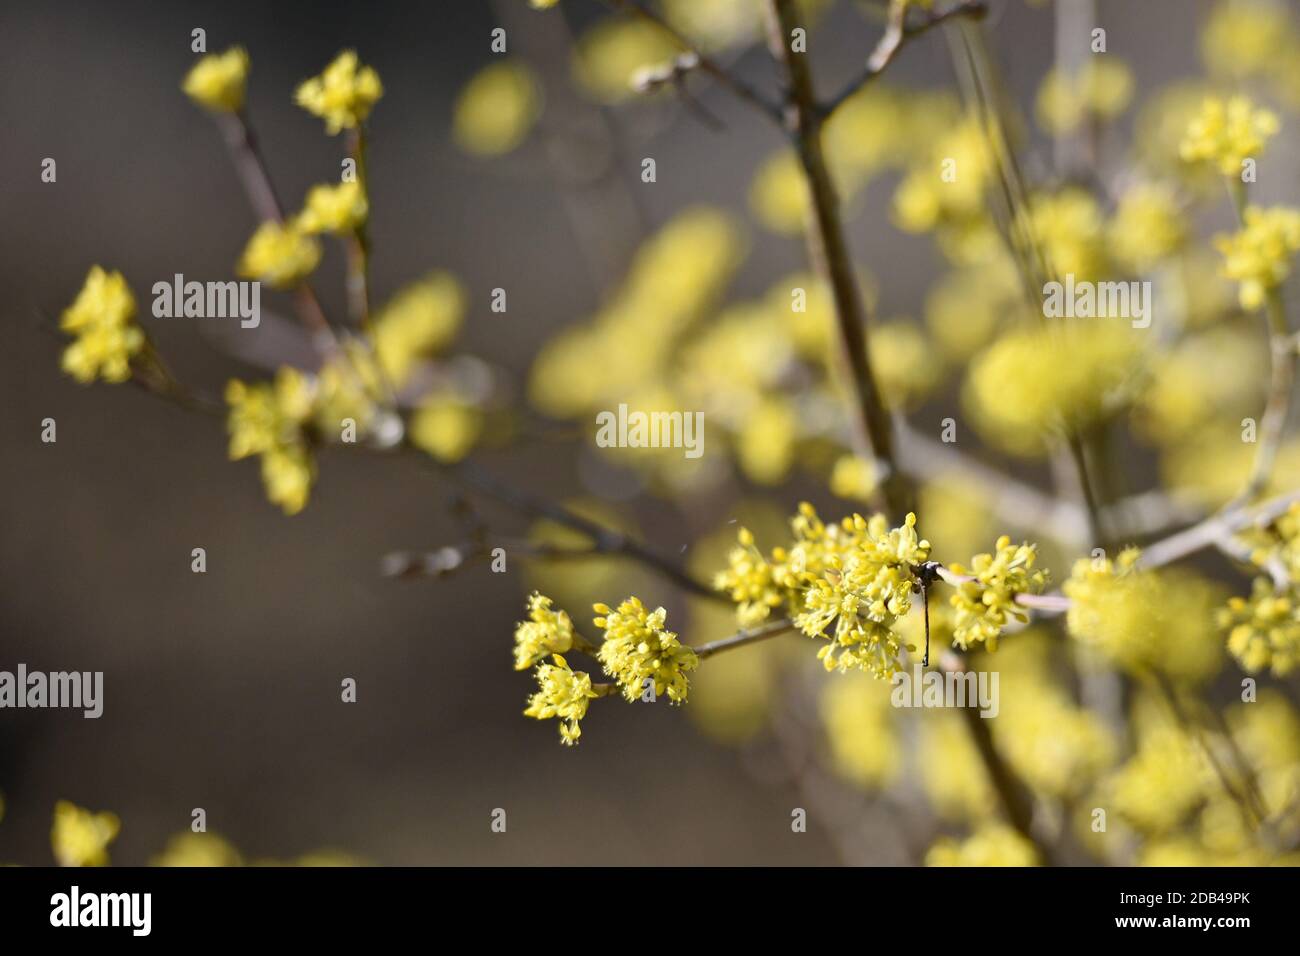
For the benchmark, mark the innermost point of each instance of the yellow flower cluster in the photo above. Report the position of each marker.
(749, 582)
(268, 419)
(217, 80)
(1071, 231)
(81, 837)
(340, 209)
(1036, 382)
(987, 603)
(1101, 89)
(1258, 256)
(1148, 227)
(564, 694)
(343, 94)
(1264, 628)
(991, 845)
(1228, 132)
(1113, 607)
(545, 632)
(637, 649)
(279, 254)
(863, 593)
(102, 318)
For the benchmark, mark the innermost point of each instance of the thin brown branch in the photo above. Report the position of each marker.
(742, 638)
(703, 63)
(898, 33)
(253, 175)
(828, 249)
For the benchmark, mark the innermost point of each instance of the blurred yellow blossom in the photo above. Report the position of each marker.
(991, 845)
(497, 109)
(1258, 257)
(419, 321)
(81, 837)
(614, 50)
(340, 209)
(217, 80)
(198, 849)
(865, 748)
(1102, 88)
(1034, 382)
(1227, 132)
(854, 477)
(102, 318)
(446, 427)
(279, 254)
(1148, 226)
(343, 94)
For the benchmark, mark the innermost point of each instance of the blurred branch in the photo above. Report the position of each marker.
(898, 32)
(702, 63)
(828, 249)
(251, 169)
(1277, 407)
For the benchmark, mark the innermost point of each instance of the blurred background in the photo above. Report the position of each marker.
(222, 689)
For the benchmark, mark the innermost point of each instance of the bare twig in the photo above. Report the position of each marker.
(828, 249)
(741, 638)
(703, 63)
(898, 32)
(253, 175)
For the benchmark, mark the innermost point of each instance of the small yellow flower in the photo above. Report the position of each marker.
(1259, 255)
(80, 837)
(343, 94)
(1148, 226)
(542, 4)
(446, 427)
(564, 694)
(496, 110)
(103, 320)
(267, 419)
(748, 582)
(1263, 629)
(545, 632)
(1228, 132)
(987, 604)
(288, 472)
(340, 209)
(217, 80)
(637, 649)
(280, 254)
